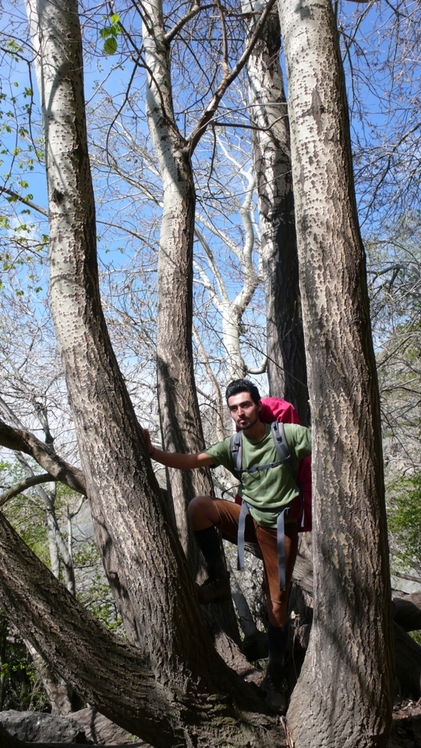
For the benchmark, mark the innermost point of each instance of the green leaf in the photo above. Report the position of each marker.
(110, 46)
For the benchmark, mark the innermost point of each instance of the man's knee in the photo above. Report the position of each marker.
(202, 513)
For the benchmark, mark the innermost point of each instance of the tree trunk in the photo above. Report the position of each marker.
(345, 690)
(116, 677)
(58, 691)
(178, 691)
(406, 613)
(286, 365)
(133, 528)
(178, 406)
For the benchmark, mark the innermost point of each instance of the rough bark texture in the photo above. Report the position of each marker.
(344, 694)
(406, 613)
(133, 528)
(115, 676)
(176, 691)
(178, 406)
(286, 365)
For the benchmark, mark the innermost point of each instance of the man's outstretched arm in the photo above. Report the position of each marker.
(175, 459)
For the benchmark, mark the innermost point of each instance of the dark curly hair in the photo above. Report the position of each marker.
(243, 385)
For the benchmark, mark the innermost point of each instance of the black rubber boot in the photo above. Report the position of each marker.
(217, 587)
(210, 545)
(274, 683)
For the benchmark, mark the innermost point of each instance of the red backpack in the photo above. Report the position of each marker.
(274, 409)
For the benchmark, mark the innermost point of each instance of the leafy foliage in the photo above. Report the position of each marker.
(405, 521)
(95, 593)
(110, 34)
(20, 684)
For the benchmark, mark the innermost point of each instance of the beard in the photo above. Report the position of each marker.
(249, 425)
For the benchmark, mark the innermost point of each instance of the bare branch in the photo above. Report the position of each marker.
(177, 28)
(33, 480)
(58, 469)
(209, 112)
(24, 200)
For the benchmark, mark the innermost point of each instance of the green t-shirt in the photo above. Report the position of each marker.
(274, 487)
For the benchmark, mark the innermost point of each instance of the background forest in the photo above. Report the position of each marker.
(243, 319)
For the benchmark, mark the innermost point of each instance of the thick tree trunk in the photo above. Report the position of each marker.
(178, 406)
(142, 555)
(406, 613)
(178, 691)
(286, 365)
(113, 675)
(345, 691)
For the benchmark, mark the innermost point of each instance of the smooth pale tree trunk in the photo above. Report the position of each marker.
(286, 366)
(232, 308)
(344, 694)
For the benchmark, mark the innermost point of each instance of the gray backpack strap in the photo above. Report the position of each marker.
(278, 435)
(284, 454)
(282, 448)
(280, 539)
(236, 443)
(241, 535)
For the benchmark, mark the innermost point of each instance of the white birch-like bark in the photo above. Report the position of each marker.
(232, 310)
(345, 691)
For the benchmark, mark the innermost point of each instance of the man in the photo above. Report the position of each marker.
(266, 491)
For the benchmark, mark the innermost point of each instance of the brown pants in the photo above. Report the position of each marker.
(229, 514)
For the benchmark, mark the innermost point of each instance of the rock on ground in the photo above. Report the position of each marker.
(39, 727)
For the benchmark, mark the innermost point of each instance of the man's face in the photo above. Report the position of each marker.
(243, 410)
